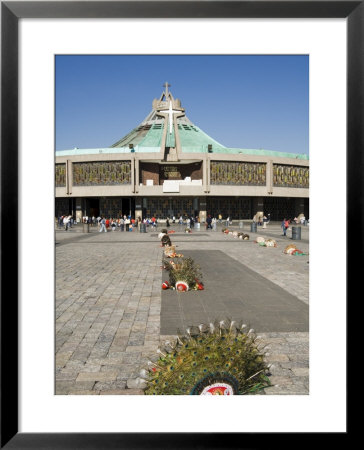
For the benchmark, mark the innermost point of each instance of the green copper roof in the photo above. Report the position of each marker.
(153, 138)
(134, 137)
(191, 149)
(260, 152)
(148, 136)
(193, 137)
(170, 139)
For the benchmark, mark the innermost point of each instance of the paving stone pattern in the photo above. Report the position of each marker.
(232, 291)
(108, 306)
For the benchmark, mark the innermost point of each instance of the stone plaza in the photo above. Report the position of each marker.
(111, 312)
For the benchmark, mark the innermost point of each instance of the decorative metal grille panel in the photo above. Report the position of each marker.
(290, 176)
(62, 206)
(279, 208)
(235, 208)
(60, 175)
(163, 208)
(101, 173)
(238, 173)
(111, 207)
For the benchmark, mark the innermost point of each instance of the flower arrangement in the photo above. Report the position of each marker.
(270, 243)
(169, 250)
(290, 249)
(216, 359)
(265, 242)
(174, 254)
(293, 250)
(183, 275)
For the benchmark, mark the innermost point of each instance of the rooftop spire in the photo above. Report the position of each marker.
(166, 85)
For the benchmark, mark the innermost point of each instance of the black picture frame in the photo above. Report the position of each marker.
(11, 12)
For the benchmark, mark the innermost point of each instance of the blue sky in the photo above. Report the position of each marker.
(240, 101)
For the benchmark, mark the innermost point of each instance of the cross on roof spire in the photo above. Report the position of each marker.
(170, 111)
(166, 85)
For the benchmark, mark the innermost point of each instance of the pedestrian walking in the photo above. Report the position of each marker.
(102, 225)
(209, 222)
(122, 224)
(66, 222)
(214, 223)
(127, 224)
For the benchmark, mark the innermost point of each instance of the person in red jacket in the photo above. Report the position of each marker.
(284, 226)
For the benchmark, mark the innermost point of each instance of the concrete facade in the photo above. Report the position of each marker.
(138, 189)
(167, 147)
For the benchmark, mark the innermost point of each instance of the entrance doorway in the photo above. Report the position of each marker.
(93, 207)
(126, 206)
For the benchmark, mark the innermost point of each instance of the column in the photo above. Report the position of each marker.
(132, 174)
(137, 175)
(204, 173)
(208, 169)
(78, 209)
(269, 177)
(203, 209)
(69, 175)
(138, 208)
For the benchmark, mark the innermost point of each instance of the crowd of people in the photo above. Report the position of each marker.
(124, 223)
(129, 223)
(65, 222)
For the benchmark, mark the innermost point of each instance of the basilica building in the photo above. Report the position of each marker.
(167, 166)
